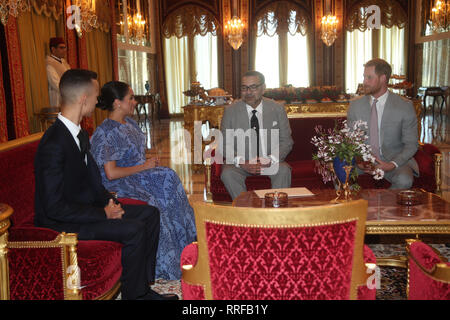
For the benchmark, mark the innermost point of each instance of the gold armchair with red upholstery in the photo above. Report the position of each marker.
(279, 254)
(428, 272)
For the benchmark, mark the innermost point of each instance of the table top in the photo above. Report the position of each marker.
(384, 215)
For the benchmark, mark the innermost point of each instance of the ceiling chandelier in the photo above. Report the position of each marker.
(234, 31)
(328, 33)
(440, 16)
(87, 19)
(13, 8)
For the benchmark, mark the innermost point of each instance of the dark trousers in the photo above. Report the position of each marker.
(138, 231)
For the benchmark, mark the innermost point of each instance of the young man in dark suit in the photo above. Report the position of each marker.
(70, 197)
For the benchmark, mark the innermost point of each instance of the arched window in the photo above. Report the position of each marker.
(190, 53)
(281, 46)
(386, 40)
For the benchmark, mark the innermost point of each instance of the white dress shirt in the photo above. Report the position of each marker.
(380, 109)
(74, 130)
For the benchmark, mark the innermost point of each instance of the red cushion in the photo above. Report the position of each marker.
(100, 264)
(280, 263)
(17, 182)
(425, 162)
(31, 234)
(35, 274)
(189, 256)
(421, 286)
(131, 201)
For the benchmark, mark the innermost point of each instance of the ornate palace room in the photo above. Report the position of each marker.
(225, 150)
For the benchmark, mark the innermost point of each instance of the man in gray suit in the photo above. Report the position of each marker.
(256, 138)
(392, 125)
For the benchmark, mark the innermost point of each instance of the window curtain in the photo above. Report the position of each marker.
(35, 30)
(436, 63)
(99, 54)
(385, 43)
(282, 39)
(176, 57)
(206, 64)
(391, 47)
(190, 53)
(358, 52)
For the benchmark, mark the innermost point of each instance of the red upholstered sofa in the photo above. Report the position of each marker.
(41, 261)
(303, 167)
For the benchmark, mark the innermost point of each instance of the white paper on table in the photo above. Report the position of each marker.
(291, 192)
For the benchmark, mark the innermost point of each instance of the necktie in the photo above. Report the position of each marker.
(374, 135)
(83, 136)
(254, 124)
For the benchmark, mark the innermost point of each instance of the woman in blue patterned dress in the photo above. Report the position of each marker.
(118, 146)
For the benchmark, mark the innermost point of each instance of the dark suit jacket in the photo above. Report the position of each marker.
(68, 193)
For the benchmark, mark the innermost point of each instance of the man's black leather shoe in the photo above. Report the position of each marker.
(153, 295)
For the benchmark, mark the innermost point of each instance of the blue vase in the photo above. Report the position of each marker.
(338, 166)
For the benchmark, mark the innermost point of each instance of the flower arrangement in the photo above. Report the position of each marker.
(348, 144)
(290, 94)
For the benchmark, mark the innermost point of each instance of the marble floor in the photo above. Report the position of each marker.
(165, 140)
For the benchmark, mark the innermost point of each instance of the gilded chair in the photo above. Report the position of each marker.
(40, 263)
(278, 254)
(428, 273)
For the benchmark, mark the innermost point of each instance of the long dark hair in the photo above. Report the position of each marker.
(111, 91)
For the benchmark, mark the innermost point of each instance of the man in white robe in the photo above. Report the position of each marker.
(56, 66)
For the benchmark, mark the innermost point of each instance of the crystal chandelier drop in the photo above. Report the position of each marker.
(234, 31)
(440, 16)
(328, 33)
(12, 7)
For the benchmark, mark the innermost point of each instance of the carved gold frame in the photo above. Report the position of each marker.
(199, 274)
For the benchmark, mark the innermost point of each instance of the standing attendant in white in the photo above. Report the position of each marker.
(56, 66)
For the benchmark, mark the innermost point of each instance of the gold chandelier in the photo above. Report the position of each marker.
(328, 33)
(13, 8)
(87, 17)
(136, 27)
(234, 31)
(440, 16)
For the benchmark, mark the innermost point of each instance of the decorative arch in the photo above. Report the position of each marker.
(190, 20)
(392, 13)
(279, 14)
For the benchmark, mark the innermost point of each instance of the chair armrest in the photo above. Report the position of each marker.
(191, 288)
(31, 234)
(44, 269)
(437, 171)
(428, 260)
(188, 261)
(209, 156)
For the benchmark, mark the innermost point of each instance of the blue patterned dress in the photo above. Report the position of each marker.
(160, 187)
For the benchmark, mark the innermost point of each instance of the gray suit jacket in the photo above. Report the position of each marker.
(398, 131)
(275, 123)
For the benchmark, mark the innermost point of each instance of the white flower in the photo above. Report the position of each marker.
(378, 174)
